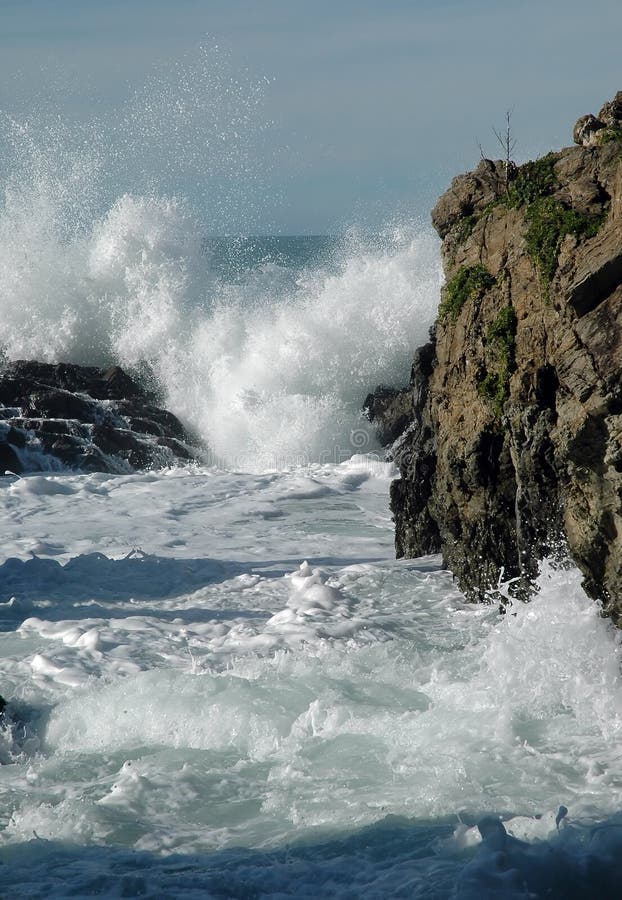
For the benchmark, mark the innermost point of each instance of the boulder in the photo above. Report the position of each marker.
(586, 129)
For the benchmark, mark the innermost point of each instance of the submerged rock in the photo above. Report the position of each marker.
(82, 417)
(514, 450)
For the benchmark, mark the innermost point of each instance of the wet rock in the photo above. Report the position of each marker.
(84, 418)
(390, 410)
(9, 460)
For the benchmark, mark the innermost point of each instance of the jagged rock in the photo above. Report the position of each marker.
(9, 460)
(611, 112)
(84, 418)
(390, 409)
(591, 130)
(514, 451)
(585, 131)
(416, 457)
(469, 195)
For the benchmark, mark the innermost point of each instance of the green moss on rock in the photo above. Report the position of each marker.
(468, 282)
(465, 228)
(611, 134)
(501, 342)
(502, 332)
(548, 224)
(532, 181)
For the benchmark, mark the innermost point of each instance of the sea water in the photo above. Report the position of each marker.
(220, 681)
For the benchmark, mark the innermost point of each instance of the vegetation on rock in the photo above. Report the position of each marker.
(502, 332)
(549, 221)
(501, 339)
(465, 228)
(498, 492)
(468, 282)
(533, 180)
(608, 135)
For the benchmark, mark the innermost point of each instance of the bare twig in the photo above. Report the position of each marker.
(508, 144)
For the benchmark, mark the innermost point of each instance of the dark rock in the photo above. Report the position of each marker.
(415, 525)
(9, 460)
(62, 404)
(146, 426)
(182, 451)
(16, 437)
(390, 410)
(85, 418)
(119, 385)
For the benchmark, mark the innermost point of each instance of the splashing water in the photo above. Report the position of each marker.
(270, 369)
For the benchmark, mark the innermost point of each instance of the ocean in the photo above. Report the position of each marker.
(221, 683)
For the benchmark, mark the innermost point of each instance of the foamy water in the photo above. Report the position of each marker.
(267, 372)
(187, 686)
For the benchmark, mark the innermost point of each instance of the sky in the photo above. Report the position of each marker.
(309, 116)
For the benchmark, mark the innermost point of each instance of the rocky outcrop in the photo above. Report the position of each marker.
(391, 410)
(58, 416)
(514, 449)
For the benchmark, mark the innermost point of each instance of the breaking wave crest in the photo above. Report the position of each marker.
(269, 368)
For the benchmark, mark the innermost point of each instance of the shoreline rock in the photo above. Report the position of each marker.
(514, 448)
(81, 417)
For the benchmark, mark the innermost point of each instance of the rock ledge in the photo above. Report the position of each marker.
(80, 417)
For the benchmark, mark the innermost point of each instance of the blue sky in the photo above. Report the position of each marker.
(354, 111)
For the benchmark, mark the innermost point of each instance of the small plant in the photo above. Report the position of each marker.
(501, 339)
(494, 388)
(549, 222)
(502, 332)
(608, 135)
(532, 181)
(465, 228)
(468, 282)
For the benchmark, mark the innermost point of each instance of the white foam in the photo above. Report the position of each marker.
(254, 696)
(270, 372)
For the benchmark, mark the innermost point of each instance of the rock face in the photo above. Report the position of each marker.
(390, 409)
(514, 450)
(56, 416)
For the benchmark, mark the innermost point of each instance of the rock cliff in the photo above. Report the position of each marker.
(514, 448)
